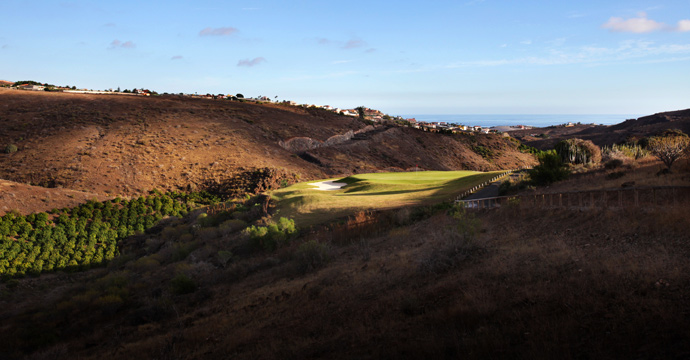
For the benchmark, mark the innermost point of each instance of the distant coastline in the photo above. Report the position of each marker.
(539, 120)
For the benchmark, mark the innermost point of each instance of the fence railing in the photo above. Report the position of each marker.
(657, 196)
(484, 184)
(487, 183)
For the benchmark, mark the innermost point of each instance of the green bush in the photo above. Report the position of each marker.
(182, 284)
(11, 148)
(549, 170)
(225, 257)
(483, 151)
(231, 226)
(181, 251)
(312, 255)
(272, 236)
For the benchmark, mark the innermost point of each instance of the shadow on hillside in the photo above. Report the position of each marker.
(394, 192)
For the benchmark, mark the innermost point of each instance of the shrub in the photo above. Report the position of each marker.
(578, 151)
(613, 163)
(270, 237)
(312, 255)
(224, 257)
(454, 245)
(231, 226)
(669, 147)
(549, 170)
(182, 284)
(11, 148)
(633, 151)
(109, 304)
(181, 251)
(615, 175)
(483, 151)
(145, 264)
(504, 187)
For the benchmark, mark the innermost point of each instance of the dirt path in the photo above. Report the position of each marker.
(487, 192)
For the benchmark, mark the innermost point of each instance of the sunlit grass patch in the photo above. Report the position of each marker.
(307, 205)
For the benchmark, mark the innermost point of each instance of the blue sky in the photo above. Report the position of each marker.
(402, 57)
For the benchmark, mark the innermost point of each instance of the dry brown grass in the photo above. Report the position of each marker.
(531, 284)
(635, 173)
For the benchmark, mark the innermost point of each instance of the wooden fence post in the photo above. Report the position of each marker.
(605, 199)
(674, 197)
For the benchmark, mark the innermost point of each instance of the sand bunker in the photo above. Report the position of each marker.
(328, 185)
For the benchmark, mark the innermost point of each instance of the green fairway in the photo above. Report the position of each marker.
(308, 205)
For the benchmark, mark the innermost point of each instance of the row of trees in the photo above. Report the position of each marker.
(84, 236)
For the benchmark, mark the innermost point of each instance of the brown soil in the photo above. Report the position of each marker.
(27, 199)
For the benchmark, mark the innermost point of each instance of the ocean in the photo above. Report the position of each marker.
(541, 120)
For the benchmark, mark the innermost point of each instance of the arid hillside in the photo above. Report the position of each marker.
(607, 135)
(110, 144)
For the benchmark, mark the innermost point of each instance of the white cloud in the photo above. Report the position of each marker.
(557, 42)
(683, 25)
(221, 31)
(321, 77)
(626, 51)
(526, 42)
(636, 25)
(641, 25)
(252, 62)
(353, 44)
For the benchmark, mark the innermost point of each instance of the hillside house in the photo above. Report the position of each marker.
(31, 87)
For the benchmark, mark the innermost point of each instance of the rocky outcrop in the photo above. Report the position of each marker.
(303, 144)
